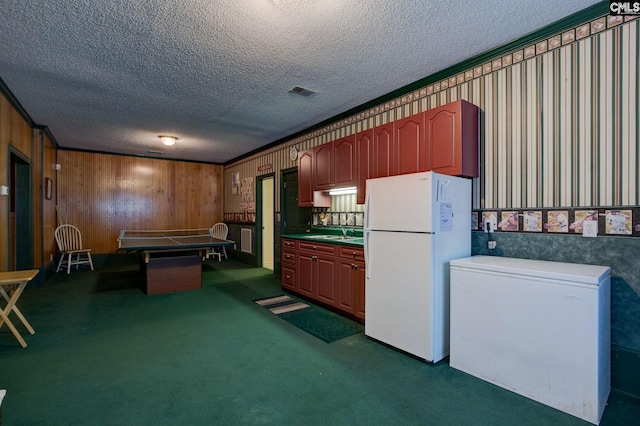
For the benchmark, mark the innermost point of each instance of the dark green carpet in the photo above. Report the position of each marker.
(104, 353)
(325, 325)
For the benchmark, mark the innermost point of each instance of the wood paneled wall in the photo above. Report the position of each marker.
(103, 194)
(15, 136)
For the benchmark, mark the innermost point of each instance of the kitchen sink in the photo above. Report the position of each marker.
(333, 237)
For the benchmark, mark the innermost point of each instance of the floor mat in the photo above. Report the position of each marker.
(321, 323)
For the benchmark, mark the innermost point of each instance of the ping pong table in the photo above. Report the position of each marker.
(171, 259)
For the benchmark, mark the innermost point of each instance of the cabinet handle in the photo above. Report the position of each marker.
(354, 266)
(288, 276)
(314, 257)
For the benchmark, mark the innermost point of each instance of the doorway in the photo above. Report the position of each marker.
(295, 220)
(20, 218)
(267, 221)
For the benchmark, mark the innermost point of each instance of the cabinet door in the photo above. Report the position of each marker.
(452, 138)
(364, 163)
(344, 162)
(383, 151)
(325, 279)
(323, 167)
(359, 275)
(346, 291)
(288, 277)
(306, 273)
(305, 179)
(410, 145)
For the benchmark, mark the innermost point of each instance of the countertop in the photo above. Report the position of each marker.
(328, 239)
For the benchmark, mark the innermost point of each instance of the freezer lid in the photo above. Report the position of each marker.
(561, 271)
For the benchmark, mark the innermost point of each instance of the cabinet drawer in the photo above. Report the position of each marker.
(317, 248)
(352, 253)
(289, 256)
(289, 244)
(288, 277)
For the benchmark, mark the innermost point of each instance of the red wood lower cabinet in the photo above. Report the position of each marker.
(306, 274)
(358, 284)
(329, 273)
(288, 277)
(289, 264)
(351, 288)
(325, 275)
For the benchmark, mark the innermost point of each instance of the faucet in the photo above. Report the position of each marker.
(344, 231)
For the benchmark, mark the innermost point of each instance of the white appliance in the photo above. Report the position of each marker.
(540, 329)
(414, 224)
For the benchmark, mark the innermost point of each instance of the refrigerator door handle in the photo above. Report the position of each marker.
(366, 210)
(366, 233)
(366, 253)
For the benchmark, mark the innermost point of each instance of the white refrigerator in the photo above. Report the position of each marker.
(414, 225)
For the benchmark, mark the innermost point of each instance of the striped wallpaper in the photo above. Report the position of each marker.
(558, 122)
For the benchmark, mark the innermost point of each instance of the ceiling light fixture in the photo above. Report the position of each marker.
(168, 140)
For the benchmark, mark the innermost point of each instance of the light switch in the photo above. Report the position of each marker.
(4, 190)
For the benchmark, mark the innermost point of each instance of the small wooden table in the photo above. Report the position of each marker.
(15, 282)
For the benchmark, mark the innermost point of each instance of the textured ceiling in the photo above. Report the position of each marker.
(113, 75)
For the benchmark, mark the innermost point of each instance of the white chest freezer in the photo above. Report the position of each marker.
(540, 329)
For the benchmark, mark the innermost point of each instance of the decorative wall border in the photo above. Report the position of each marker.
(611, 221)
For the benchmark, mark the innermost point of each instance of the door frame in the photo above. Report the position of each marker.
(259, 218)
(283, 201)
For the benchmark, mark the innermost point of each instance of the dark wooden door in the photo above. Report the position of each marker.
(295, 219)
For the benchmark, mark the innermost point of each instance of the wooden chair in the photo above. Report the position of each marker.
(69, 242)
(220, 231)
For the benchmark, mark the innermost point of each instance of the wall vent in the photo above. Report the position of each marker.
(302, 91)
(245, 240)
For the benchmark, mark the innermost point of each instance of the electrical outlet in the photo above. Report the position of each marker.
(489, 226)
(492, 245)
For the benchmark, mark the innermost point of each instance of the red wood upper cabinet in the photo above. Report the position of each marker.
(307, 195)
(382, 146)
(452, 138)
(411, 153)
(344, 162)
(364, 151)
(323, 166)
(305, 179)
(334, 164)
